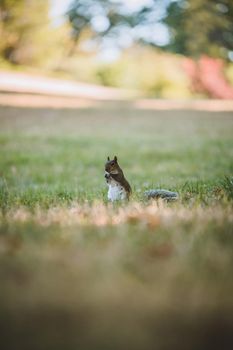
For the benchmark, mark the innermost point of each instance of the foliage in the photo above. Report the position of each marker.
(102, 17)
(26, 35)
(158, 75)
(21, 21)
(207, 76)
(200, 27)
(182, 17)
(228, 186)
(28, 39)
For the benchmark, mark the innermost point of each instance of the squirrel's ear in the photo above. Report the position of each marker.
(108, 158)
(115, 158)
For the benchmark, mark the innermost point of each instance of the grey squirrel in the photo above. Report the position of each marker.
(120, 189)
(118, 186)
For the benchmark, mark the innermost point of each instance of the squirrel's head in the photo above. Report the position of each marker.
(112, 166)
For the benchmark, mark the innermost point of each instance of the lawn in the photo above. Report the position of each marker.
(79, 273)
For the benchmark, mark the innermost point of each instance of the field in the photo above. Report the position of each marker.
(79, 273)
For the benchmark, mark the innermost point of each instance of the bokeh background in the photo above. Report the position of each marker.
(163, 49)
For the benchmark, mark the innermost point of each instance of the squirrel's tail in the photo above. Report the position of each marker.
(163, 194)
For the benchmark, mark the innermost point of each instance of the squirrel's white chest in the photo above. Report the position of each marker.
(116, 191)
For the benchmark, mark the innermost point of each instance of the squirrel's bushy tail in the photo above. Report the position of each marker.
(163, 194)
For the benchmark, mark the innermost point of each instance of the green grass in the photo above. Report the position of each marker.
(78, 273)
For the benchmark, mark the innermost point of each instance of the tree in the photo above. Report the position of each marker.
(104, 19)
(200, 27)
(196, 26)
(21, 22)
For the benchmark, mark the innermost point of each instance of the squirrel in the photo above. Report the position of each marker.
(120, 189)
(118, 186)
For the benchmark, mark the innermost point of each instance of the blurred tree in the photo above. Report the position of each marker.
(200, 27)
(196, 26)
(21, 22)
(102, 18)
(156, 73)
(207, 76)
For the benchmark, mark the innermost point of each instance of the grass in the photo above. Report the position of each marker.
(79, 273)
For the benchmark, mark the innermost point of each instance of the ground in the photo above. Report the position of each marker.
(79, 273)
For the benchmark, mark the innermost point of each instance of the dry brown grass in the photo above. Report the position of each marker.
(98, 214)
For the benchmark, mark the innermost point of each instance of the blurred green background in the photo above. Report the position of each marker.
(152, 46)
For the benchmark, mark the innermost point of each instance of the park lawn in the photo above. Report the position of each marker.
(79, 273)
